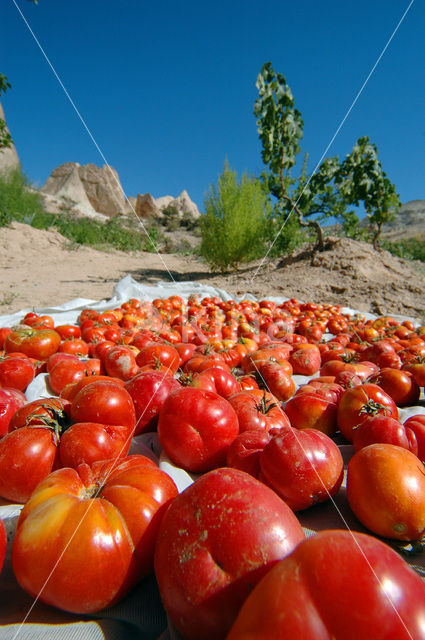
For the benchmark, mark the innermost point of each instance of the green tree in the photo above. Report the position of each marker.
(333, 187)
(5, 137)
(235, 215)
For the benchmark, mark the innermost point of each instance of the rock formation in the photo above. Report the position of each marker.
(146, 207)
(8, 157)
(92, 188)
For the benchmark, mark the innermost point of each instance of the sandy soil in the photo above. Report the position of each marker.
(41, 268)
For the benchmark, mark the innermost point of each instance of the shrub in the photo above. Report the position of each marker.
(232, 227)
(17, 201)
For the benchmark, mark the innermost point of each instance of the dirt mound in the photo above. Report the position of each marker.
(41, 268)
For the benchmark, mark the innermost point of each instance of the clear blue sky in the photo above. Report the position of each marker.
(167, 88)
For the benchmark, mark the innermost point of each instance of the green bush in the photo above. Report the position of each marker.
(409, 249)
(233, 225)
(17, 201)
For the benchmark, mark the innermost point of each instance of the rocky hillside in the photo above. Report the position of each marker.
(409, 223)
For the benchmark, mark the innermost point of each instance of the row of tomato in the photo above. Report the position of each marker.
(216, 380)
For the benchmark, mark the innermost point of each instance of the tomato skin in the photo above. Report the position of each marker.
(386, 491)
(244, 452)
(10, 401)
(401, 386)
(310, 594)
(359, 402)
(165, 354)
(217, 380)
(90, 441)
(312, 411)
(278, 381)
(120, 362)
(382, 429)
(104, 402)
(305, 359)
(196, 427)
(35, 343)
(66, 372)
(149, 390)
(216, 539)
(16, 373)
(26, 457)
(417, 425)
(303, 467)
(259, 411)
(110, 552)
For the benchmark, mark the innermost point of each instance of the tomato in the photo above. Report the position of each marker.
(104, 402)
(44, 412)
(303, 467)
(417, 369)
(196, 427)
(90, 441)
(254, 412)
(401, 386)
(70, 390)
(100, 524)
(167, 355)
(305, 359)
(10, 401)
(75, 346)
(120, 362)
(312, 411)
(16, 373)
(336, 585)
(68, 331)
(149, 390)
(244, 452)
(216, 540)
(217, 380)
(35, 343)
(359, 402)
(386, 491)
(384, 429)
(66, 372)
(277, 381)
(417, 425)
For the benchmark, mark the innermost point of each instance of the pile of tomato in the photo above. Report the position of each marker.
(256, 400)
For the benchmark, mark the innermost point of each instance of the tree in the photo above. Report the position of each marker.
(333, 187)
(235, 213)
(5, 137)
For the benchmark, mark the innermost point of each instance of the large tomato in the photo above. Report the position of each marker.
(312, 411)
(336, 585)
(104, 402)
(10, 401)
(196, 427)
(362, 401)
(149, 391)
(245, 450)
(417, 425)
(217, 380)
(386, 491)
(262, 412)
(85, 538)
(216, 540)
(35, 343)
(16, 372)
(303, 467)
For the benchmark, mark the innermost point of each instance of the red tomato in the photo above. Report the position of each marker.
(10, 401)
(303, 467)
(75, 346)
(68, 331)
(277, 381)
(305, 359)
(149, 390)
(16, 373)
(90, 441)
(312, 411)
(358, 403)
(417, 369)
(196, 427)
(66, 372)
(401, 386)
(306, 596)
(254, 412)
(386, 491)
(109, 518)
(35, 343)
(70, 391)
(382, 429)
(120, 362)
(104, 402)
(155, 352)
(217, 380)
(244, 452)
(417, 425)
(216, 540)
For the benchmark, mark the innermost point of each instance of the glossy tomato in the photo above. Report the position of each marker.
(303, 467)
(362, 401)
(3, 543)
(10, 401)
(216, 540)
(100, 524)
(35, 343)
(312, 411)
(149, 390)
(258, 410)
(244, 452)
(386, 491)
(104, 402)
(417, 425)
(336, 585)
(196, 427)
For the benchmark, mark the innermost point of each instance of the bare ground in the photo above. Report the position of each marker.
(41, 268)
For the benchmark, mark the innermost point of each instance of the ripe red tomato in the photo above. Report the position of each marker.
(156, 352)
(196, 427)
(312, 411)
(35, 343)
(120, 362)
(386, 491)
(336, 585)
(382, 429)
(417, 425)
(244, 452)
(10, 401)
(109, 517)
(216, 540)
(217, 380)
(16, 372)
(305, 359)
(66, 372)
(303, 467)
(400, 385)
(358, 403)
(104, 402)
(258, 412)
(277, 381)
(149, 390)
